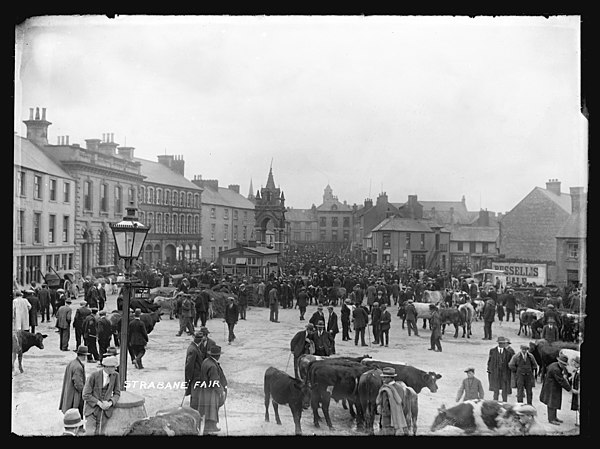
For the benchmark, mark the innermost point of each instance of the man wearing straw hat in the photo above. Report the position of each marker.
(554, 382)
(101, 392)
(73, 423)
(213, 392)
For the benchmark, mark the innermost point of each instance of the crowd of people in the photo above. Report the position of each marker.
(364, 293)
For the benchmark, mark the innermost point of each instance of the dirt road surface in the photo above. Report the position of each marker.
(260, 344)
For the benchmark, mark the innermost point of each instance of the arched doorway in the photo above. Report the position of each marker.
(170, 254)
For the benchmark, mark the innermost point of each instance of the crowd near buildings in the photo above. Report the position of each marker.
(67, 195)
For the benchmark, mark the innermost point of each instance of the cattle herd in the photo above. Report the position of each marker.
(356, 381)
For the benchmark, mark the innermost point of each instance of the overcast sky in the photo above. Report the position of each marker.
(439, 107)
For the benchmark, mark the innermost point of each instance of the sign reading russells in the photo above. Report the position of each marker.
(521, 273)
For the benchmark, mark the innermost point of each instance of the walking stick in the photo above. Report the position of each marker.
(183, 398)
(226, 424)
(288, 362)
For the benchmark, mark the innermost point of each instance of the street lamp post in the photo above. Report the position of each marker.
(129, 235)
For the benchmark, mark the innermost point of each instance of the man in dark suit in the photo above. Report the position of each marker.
(63, 322)
(361, 319)
(101, 392)
(80, 315)
(317, 316)
(193, 363)
(138, 338)
(202, 305)
(90, 335)
(104, 333)
(206, 343)
(302, 343)
(214, 393)
(332, 327)
(231, 317)
(31, 296)
(499, 372)
(44, 297)
(322, 340)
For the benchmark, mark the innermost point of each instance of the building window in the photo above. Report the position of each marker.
(296, 236)
(244, 232)
(103, 198)
(245, 215)
(65, 229)
(182, 199)
(472, 247)
(346, 222)
(323, 221)
(159, 223)
(226, 214)
(37, 222)
(189, 199)
(131, 196)
(226, 231)
(66, 192)
(167, 197)
(334, 222)
(484, 247)
(408, 240)
(174, 221)
(182, 224)
(422, 241)
(573, 250)
(387, 240)
(118, 201)
(51, 228)
(159, 196)
(307, 237)
(21, 183)
(334, 235)
(235, 214)
(235, 232)
(37, 187)
(20, 224)
(213, 253)
(346, 235)
(53, 190)
(322, 235)
(213, 212)
(459, 246)
(213, 227)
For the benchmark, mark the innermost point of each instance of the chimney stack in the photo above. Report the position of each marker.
(126, 152)
(577, 199)
(484, 218)
(553, 185)
(37, 129)
(234, 187)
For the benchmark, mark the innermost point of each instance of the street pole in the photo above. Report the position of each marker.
(124, 340)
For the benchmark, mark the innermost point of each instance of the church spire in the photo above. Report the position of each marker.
(270, 181)
(251, 191)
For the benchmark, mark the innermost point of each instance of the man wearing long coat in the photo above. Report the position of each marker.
(361, 318)
(214, 393)
(551, 393)
(63, 322)
(302, 343)
(20, 312)
(102, 389)
(193, 364)
(499, 373)
(44, 297)
(80, 315)
(71, 395)
(332, 327)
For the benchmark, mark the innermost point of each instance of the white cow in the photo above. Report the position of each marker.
(570, 354)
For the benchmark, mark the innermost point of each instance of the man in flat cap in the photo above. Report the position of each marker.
(523, 367)
(302, 343)
(471, 387)
(101, 392)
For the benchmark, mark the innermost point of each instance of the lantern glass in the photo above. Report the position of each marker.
(129, 237)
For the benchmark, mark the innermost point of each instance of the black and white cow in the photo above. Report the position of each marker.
(488, 416)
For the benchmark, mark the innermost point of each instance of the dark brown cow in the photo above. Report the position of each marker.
(23, 341)
(282, 389)
(545, 353)
(415, 378)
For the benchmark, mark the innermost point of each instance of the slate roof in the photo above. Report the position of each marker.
(474, 234)
(563, 200)
(257, 250)
(328, 206)
(157, 173)
(225, 197)
(405, 225)
(575, 226)
(28, 155)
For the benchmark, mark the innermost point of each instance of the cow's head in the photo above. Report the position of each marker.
(430, 380)
(304, 391)
(39, 340)
(441, 419)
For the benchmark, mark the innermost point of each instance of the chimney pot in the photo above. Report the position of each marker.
(37, 113)
(44, 114)
(30, 113)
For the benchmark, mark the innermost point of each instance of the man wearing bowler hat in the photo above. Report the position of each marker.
(213, 390)
(322, 340)
(523, 365)
(138, 339)
(317, 316)
(497, 368)
(554, 382)
(71, 395)
(101, 392)
(302, 343)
